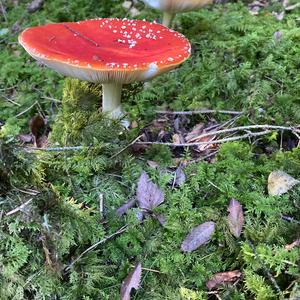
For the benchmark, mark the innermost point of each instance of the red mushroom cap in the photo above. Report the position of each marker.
(107, 50)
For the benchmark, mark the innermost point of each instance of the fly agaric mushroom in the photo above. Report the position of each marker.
(112, 52)
(171, 7)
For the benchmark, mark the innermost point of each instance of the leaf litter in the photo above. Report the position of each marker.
(132, 281)
(280, 183)
(199, 235)
(235, 218)
(223, 278)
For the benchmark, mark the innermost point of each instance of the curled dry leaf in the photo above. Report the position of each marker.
(198, 236)
(293, 245)
(123, 209)
(223, 277)
(280, 182)
(148, 194)
(132, 281)
(235, 217)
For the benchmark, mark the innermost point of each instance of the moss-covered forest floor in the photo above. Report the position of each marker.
(244, 62)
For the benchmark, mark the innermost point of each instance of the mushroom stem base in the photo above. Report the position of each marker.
(111, 101)
(168, 18)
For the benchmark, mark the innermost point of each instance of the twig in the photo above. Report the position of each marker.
(121, 230)
(150, 270)
(58, 149)
(3, 11)
(125, 148)
(19, 208)
(101, 204)
(202, 111)
(28, 191)
(290, 219)
(292, 7)
(270, 276)
(235, 138)
(26, 110)
(249, 127)
(10, 100)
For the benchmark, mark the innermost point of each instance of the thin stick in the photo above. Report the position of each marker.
(121, 230)
(58, 149)
(290, 219)
(26, 110)
(19, 208)
(225, 140)
(10, 100)
(150, 270)
(242, 128)
(101, 204)
(202, 111)
(125, 148)
(3, 11)
(291, 7)
(270, 276)
(81, 35)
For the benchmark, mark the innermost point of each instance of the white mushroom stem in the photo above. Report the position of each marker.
(111, 99)
(168, 18)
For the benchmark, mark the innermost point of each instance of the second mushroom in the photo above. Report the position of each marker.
(112, 52)
(171, 7)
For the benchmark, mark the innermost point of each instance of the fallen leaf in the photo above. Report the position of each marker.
(180, 177)
(132, 281)
(160, 218)
(278, 16)
(206, 146)
(223, 277)
(148, 194)
(25, 138)
(4, 31)
(152, 164)
(123, 209)
(198, 236)
(293, 245)
(235, 217)
(280, 182)
(196, 131)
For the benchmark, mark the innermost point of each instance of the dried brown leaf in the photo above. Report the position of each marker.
(198, 236)
(196, 131)
(148, 194)
(223, 277)
(280, 182)
(235, 217)
(132, 281)
(123, 209)
(294, 244)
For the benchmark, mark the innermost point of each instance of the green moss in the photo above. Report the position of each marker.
(236, 64)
